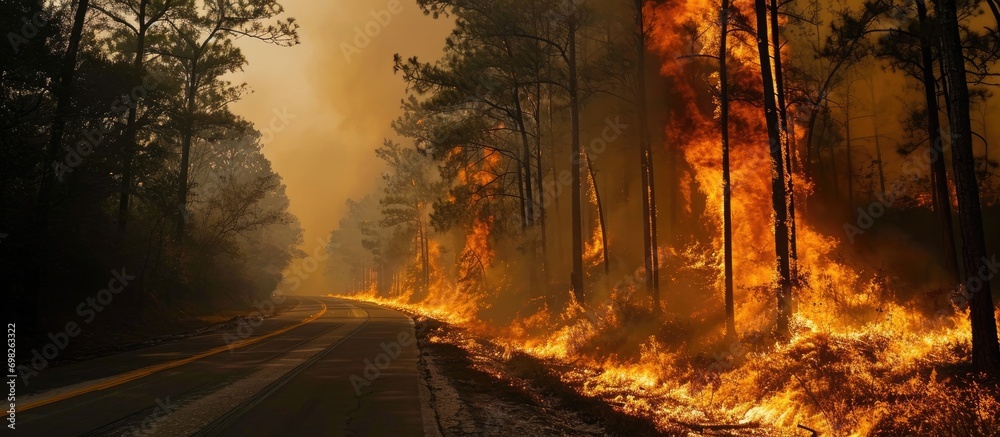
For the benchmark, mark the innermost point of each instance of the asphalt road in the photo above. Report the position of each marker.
(326, 367)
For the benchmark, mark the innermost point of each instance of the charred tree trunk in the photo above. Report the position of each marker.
(576, 151)
(820, 165)
(422, 251)
(426, 257)
(942, 196)
(647, 230)
(784, 292)
(600, 214)
(834, 175)
(850, 158)
(541, 185)
(653, 224)
(878, 146)
(646, 164)
(526, 158)
(520, 194)
(985, 349)
(787, 141)
(727, 206)
(810, 126)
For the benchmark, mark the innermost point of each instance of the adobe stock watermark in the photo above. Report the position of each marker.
(298, 273)
(964, 293)
(486, 85)
(31, 27)
(364, 33)
(148, 425)
(301, 271)
(561, 11)
(633, 280)
(374, 367)
(246, 326)
(960, 296)
(280, 120)
(868, 216)
(613, 130)
(11, 377)
(725, 360)
(911, 171)
(87, 310)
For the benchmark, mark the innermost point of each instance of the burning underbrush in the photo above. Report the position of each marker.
(896, 374)
(868, 353)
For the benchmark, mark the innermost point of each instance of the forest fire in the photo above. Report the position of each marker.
(860, 360)
(644, 217)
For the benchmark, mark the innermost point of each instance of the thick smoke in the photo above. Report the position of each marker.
(326, 106)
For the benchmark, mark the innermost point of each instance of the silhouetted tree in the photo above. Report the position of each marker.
(985, 348)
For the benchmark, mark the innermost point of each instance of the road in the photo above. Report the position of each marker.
(325, 367)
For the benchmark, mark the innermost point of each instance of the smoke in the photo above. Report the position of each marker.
(326, 104)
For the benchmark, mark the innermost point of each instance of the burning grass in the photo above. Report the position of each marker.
(893, 375)
(862, 359)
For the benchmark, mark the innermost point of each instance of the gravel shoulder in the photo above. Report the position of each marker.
(473, 387)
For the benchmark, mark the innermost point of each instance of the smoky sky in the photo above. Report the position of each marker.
(326, 104)
(324, 107)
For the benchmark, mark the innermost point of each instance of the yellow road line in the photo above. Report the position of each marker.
(146, 371)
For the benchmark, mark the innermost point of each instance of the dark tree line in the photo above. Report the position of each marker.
(116, 133)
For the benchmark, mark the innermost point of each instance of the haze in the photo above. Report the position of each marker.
(339, 111)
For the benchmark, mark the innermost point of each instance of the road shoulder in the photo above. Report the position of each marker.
(471, 386)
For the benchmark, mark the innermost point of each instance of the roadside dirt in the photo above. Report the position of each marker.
(473, 387)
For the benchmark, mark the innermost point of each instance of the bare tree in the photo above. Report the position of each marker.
(727, 205)
(985, 349)
(778, 183)
(646, 164)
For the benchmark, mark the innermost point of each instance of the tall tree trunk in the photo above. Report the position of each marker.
(944, 83)
(600, 214)
(784, 292)
(878, 144)
(820, 164)
(526, 157)
(942, 196)
(645, 163)
(192, 107)
(647, 229)
(985, 349)
(419, 249)
(810, 130)
(654, 225)
(541, 186)
(422, 251)
(787, 143)
(986, 148)
(996, 11)
(834, 177)
(521, 195)
(426, 257)
(727, 207)
(32, 264)
(576, 151)
(850, 158)
(131, 129)
(64, 99)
